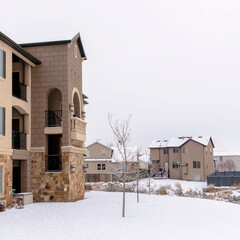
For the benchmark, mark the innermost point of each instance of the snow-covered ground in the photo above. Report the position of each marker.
(98, 217)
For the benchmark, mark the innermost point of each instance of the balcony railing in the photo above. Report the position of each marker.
(20, 91)
(53, 163)
(19, 140)
(53, 118)
(79, 125)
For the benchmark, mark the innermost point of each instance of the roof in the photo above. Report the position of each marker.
(97, 160)
(60, 42)
(179, 141)
(19, 49)
(132, 154)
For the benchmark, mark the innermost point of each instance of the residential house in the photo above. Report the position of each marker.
(103, 163)
(184, 158)
(43, 131)
(227, 160)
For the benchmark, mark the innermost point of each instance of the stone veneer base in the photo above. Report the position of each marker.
(6, 159)
(58, 186)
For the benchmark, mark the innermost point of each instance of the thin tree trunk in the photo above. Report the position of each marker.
(149, 187)
(137, 191)
(123, 207)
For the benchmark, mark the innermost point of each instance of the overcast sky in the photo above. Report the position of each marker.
(174, 65)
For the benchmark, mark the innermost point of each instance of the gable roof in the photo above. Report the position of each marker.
(99, 144)
(19, 49)
(132, 154)
(179, 141)
(60, 42)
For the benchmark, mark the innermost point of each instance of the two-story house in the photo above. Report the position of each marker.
(42, 127)
(185, 158)
(103, 163)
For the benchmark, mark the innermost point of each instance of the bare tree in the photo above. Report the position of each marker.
(123, 156)
(227, 165)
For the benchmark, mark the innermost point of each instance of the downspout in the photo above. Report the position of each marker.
(204, 166)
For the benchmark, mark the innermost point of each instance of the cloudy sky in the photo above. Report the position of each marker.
(174, 65)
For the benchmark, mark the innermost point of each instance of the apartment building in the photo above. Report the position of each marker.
(184, 158)
(42, 127)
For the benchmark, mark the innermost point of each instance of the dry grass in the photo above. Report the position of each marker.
(178, 185)
(168, 187)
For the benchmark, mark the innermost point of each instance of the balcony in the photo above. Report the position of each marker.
(53, 118)
(78, 129)
(19, 90)
(19, 140)
(53, 163)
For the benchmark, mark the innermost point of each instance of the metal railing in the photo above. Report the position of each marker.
(53, 118)
(20, 91)
(53, 163)
(19, 140)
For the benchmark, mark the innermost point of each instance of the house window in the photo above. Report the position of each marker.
(2, 63)
(176, 165)
(175, 150)
(221, 158)
(101, 166)
(165, 151)
(1, 179)
(206, 150)
(185, 150)
(104, 153)
(196, 164)
(196, 177)
(75, 51)
(2, 121)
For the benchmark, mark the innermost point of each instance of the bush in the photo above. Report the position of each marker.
(162, 191)
(179, 191)
(2, 206)
(178, 185)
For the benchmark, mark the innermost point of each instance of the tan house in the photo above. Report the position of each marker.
(42, 127)
(227, 160)
(184, 158)
(103, 162)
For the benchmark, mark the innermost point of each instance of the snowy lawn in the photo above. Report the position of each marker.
(98, 217)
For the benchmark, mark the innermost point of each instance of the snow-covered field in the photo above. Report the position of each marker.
(98, 217)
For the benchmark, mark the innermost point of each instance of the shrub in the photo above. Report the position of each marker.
(162, 191)
(178, 185)
(168, 187)
(2, 206)
(179, 191)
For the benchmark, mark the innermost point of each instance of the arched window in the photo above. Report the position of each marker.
(54, 112)
(76, 104)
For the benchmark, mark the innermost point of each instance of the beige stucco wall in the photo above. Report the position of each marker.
(24, 107)
(96, 149)
(92, 166)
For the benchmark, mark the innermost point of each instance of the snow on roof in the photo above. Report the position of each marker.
(97, 160)
(179, 141)
(226, 153)
(132, 153)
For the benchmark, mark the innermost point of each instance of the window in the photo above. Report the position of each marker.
(196, 164)
(2, 121)
(165, 151)
(221, 158)
(206, 150)
(185, 150)
(104, 153)
(175, 150)
(101, 166)
(176, 165)
(1, 179)
(196, 177)
(2, 63)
